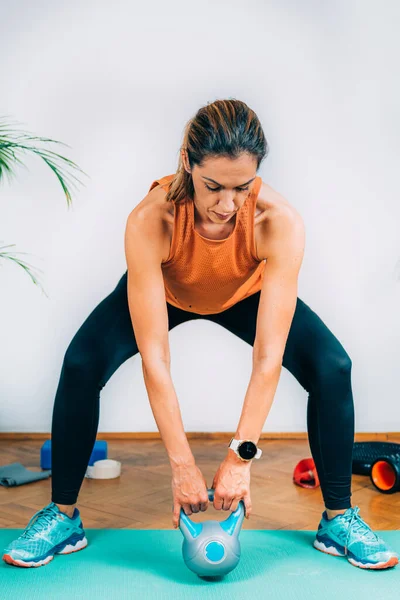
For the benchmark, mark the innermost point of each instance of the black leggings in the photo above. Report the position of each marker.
(106, 340)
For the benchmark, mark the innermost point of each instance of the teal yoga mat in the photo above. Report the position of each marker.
(125, 564)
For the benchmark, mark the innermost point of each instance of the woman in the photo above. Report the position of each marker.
(212, 242)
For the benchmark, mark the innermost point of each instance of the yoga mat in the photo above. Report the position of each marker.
(125, 564)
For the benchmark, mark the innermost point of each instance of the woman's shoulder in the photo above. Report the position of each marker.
(273, 212)
(156, 210)
(271, 203)
(154, 205)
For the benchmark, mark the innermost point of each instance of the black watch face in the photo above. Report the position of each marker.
(247, 450)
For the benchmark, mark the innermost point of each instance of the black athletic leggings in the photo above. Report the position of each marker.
(106, 340)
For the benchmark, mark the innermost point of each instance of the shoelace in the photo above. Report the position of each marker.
(46, 515)
(357, 523)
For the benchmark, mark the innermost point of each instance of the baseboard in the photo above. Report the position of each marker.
(192, 435)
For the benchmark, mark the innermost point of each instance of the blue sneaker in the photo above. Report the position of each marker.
(49, 532)
(348, 535)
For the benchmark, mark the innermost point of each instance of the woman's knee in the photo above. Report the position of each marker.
(81, 359)
(343, 362)
(335, 367)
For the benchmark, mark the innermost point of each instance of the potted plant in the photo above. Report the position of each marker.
(14, 144)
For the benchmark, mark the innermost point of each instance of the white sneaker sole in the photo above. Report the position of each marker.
(69, 549)
(391, 562)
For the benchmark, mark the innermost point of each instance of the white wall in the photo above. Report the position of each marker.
(117, 84)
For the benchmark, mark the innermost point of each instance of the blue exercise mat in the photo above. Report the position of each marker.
(143, 564)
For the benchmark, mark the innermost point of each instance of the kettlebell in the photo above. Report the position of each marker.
(212, 548)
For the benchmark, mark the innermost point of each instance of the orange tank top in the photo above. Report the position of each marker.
(208, 276)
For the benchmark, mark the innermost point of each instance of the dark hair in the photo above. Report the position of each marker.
(225, 128)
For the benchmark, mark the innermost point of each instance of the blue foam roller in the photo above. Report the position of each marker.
(99, 452)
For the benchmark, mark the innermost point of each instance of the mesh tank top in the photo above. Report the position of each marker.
(208, 276)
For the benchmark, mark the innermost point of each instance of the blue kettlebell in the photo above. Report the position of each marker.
(212, 548)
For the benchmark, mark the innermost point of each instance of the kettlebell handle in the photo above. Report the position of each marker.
(210, 492)
(231, 524)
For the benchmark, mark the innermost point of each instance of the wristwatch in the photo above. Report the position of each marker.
(245, 449)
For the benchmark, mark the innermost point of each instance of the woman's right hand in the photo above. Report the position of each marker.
(189, 489)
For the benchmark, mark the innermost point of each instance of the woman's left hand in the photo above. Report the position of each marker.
(232, 484)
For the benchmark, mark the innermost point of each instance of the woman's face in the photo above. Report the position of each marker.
(221, 186)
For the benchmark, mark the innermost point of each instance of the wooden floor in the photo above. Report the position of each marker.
(141, 498)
